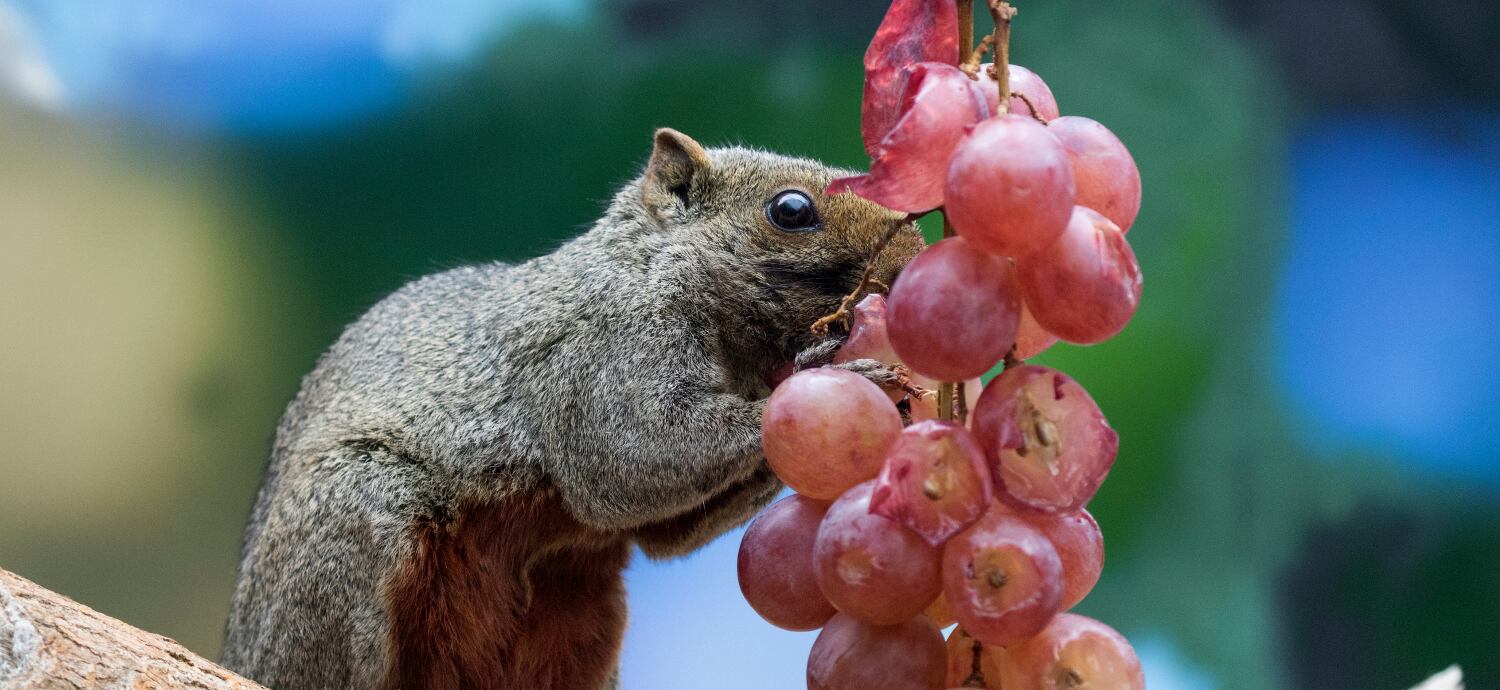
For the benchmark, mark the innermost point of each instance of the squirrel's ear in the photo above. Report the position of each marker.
(676, 160)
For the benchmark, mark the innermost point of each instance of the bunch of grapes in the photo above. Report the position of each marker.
(969, 510)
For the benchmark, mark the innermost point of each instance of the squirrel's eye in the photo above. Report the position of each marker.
(792, 211)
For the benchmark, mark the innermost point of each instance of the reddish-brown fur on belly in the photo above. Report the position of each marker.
(510, 595)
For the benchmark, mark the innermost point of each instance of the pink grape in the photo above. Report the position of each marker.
(935, 481)
(854, 655)
(1072, 652)
(776, 567)
(1079, 544)
(954, 311)
(1010, 187)
(809, 436)
(1085, 286)
(1025, 82)
(908, 167)
(1048, 445)
(868, 335)
(871, 567)
(1031, 338)
(1002, 578)
(912, 31)
(1105, 173)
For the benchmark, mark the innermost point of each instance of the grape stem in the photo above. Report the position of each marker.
(1003, 12)
(946, 388)
(965, 26)
(867, 281)
(971, 66)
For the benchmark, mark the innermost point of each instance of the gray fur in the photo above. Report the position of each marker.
(623, 371)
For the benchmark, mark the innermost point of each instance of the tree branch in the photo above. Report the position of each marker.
(48, 641)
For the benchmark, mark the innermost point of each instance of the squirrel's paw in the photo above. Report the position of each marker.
(818, 355)
(891, 377)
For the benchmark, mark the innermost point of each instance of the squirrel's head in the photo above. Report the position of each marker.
(780, 253)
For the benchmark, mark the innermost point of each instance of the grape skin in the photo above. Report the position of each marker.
(1025, 82)
(1080, 546)
(1072, 652)
(935, 481)
(853, 655)
(809, 440)
(1010, 186)
(1048, 445)
(871, 567)
(1084, 287)
(775, 565)
(912, 31)
(954, 311)
(1107, 178)
(1002, 578)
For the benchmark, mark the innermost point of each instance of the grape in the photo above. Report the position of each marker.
(1080, 546)
(935, 481)
(776, 568)
(868, 337)
(1103, 169)
(1072, 652)
(1002, 578)
(939, 613)
(1010, 186)
(1022, 81)
(907, 169)
(871, 567)
(912, 31)
(1085, 286)
(954, 311)
(1031, 338)
(809, 438)
(961, 649)
(1048, 445)
(853, 655)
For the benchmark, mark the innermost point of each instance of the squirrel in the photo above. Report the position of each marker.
(453, 494)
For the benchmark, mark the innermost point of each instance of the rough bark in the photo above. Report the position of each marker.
(48, 641)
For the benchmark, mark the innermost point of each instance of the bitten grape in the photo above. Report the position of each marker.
(962, 648)
(935, 481)
(907, 169)
(853, 655)
(1024, 82)
(1010, 186)
(1072, 652)
(912, 31)
(809, 440)
(1084, 287)
(1002, 578)
(871, 567)
(1048, 445)
(954, 311)
(775, 565)
(1105, 173)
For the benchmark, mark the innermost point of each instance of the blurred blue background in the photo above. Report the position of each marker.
(196, 196)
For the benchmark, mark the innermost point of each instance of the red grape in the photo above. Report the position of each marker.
(1048, 445)
(1072, 652)
(853, 655)
(961, 650)
(912, 31)
(1105, 173)
(1010, 186)
(935, 481)
(871, 567)
(1085, 286)
(1002, 578)
(1079, 544)
(1025, 82)
(1031, 338)
(809, 436)
(868, 337)
(954, 311)
(908, 168)
(776, 567)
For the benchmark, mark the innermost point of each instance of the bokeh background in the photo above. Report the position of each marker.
(196, 196)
